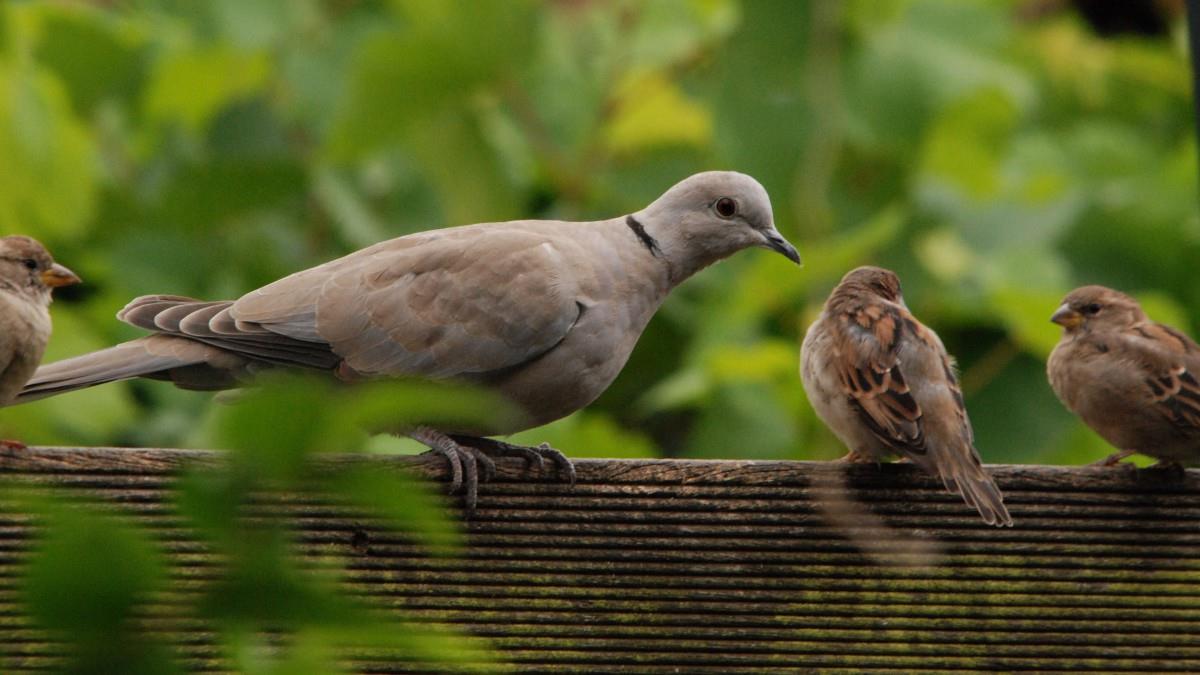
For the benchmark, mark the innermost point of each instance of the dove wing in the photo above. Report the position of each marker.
(454, 303)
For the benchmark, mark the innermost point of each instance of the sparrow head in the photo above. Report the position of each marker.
(1097, 308)
(27, 268)
(871, 281)
(708, 216)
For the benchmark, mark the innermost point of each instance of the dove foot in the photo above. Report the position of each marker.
(1115, 458)
(532, 455)
(471, 463)
(466, 464)
(6, 444)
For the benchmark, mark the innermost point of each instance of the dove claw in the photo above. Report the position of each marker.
(471, 460)
(455, 455)
(539, 454)
(470, 490)
(562, 464)
(487, 464)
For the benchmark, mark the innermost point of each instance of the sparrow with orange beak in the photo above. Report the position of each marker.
(1132, 380)
(27, 276)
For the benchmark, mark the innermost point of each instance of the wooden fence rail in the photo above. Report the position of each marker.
(725, 566)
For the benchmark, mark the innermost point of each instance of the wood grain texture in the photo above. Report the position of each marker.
(716, 566)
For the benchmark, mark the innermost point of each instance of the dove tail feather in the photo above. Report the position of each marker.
(157, 356)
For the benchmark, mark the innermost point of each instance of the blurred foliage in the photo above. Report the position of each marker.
(83, 583)
(275, 610)
(995, 153)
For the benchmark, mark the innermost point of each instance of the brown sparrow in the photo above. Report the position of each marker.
(27, 275)
(1130, 379)
(884, 384)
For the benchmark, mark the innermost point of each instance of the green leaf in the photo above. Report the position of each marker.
(746, 420)
(404, 502)
(396, 405)
(452, 151)
(191, 86)
(965, 148)
(1026, 315)
(761, 120)
(279, 425)
(357, 224)
(446, 53)
(46, 157)
(87, 575)
(945, 255)
(651, 112)
(590, 434)
(98, 56)
(206, 196)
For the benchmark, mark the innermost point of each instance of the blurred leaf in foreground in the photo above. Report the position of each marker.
(87, 575)
(276, 435)
(590, 434)
(45, 155)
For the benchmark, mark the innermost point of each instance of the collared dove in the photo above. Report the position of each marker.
(27, 276)
(546, 312)
(885, 385)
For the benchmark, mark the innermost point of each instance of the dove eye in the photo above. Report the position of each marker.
(30, 263)
(725, 207)
(1093, 308)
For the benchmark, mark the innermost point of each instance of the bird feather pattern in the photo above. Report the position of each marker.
(884, 384)
(1134, 381)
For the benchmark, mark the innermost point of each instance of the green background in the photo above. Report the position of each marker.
(996, 154)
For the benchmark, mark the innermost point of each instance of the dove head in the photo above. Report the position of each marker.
(872, 281)
(1097, 308)
(707, 217)
(26, 268)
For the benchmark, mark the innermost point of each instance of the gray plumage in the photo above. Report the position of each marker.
(546, 312)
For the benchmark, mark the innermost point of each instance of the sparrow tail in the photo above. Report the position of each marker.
(979, 491)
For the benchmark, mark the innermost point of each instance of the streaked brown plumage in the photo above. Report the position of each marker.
(1134, 381)
(27, 276)
(545, 312)
(885, 385)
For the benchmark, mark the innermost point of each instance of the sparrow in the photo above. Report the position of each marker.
(884, 384)
(27, 276)
(1132, 380)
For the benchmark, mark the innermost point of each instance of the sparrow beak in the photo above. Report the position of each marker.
(775, 241)
(58, 275)
(1067, 317)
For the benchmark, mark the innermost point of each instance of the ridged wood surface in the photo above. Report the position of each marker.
(717, 566)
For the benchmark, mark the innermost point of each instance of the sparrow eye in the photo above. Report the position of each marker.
(725, 207)
(1093, 308)
(30, 263)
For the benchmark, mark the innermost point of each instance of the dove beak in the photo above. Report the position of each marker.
(775, 241)
(1066, 317)
(59, 275)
